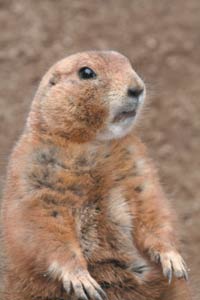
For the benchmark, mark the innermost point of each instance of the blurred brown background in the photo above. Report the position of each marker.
(162, 40)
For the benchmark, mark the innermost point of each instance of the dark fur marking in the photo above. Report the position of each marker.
(115, 262)
(139, 269)
(121, 177)
(94, 202)
(49, 200)
(54, 213)
(139, 188)
(76, 189)
(46, 179)
(45, 156)
(132, 173)
(106, 285)
(64, 135)
(40, 178)
(49, 157)
(82, 161)
(97, 179)
(98, 209)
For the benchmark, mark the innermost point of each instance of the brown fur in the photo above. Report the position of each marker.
(75, 204)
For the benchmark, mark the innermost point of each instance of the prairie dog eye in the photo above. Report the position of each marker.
(86, 73)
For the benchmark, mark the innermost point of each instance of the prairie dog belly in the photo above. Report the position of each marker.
(105, 231)
(105, 235)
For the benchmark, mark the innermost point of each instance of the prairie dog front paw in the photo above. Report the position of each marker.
(172, 264)
(77, 281)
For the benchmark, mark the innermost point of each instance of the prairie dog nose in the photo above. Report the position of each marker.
(135, 92)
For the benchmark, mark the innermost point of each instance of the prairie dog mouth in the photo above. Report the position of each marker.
(124, 115)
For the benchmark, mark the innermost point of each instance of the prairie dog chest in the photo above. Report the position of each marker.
(106, 226)
(92, 186)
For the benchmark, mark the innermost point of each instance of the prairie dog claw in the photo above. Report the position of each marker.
(83, 286)
(77, 281)
(172, 264)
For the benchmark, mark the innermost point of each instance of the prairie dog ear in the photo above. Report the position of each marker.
(54, 79)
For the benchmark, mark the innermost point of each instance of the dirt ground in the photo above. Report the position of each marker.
(162, 40)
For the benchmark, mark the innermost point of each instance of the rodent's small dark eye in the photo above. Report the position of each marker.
(86, 73)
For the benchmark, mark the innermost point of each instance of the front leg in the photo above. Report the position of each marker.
(42, 230)
(155, 230)
(156, 236)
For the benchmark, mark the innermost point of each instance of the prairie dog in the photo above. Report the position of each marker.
(84, 214)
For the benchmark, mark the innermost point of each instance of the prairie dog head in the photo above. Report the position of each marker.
(89, 95)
